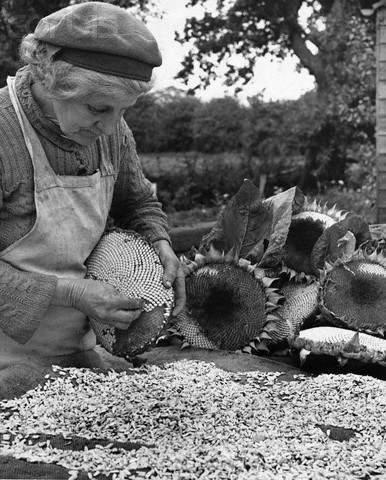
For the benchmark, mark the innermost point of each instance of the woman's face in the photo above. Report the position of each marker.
(85, 120)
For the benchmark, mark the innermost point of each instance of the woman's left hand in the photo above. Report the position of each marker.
(173, 274)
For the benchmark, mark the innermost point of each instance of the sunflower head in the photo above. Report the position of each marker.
(228, 301)
(127, 261)
(300, 303)
(305, 229)
(340, 343)
(353, 293)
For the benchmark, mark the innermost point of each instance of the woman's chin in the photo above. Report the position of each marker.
(83, 138)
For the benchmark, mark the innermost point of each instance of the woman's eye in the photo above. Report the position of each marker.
(96, 111)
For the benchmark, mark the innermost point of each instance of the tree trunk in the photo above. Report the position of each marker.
(298, 41)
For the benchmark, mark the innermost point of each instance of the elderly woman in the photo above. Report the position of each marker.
(68, 167)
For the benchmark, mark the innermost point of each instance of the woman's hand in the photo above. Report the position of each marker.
(173, 274)
(99, 301)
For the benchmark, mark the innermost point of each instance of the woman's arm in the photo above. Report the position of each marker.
(173, 274)
(24, 299)
(24, 296)
(97, 300)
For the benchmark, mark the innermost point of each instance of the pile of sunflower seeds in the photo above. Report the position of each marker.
(199, 422)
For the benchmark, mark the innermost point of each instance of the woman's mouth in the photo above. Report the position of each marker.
(84, 132)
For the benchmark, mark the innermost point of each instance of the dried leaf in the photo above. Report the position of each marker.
(256, 229)
(231, 229)
(282, 206)
(327, 247)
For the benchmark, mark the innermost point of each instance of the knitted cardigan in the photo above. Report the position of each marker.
(25, 296)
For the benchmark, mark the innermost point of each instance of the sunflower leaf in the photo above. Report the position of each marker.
(256, 228)
(231, 229)
(327, 248)
(281, 207)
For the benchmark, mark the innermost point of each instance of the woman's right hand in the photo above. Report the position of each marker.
(98, 300)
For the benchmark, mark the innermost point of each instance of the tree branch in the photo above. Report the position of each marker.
(297, 39)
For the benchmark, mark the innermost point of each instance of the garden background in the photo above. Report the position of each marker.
(198, 152)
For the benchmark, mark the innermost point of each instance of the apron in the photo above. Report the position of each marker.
(71, 215)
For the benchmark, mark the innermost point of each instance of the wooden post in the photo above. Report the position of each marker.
(381, 114)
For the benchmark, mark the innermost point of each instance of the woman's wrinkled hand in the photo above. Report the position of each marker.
(99, 301)
(173, 274)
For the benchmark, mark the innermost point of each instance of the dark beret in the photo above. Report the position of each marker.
(101, 37)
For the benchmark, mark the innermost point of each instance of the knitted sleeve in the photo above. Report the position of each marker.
(24, 299)
(134, 205)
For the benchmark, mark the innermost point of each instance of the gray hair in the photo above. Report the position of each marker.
(62, 80)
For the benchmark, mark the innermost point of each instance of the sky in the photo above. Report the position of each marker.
(275, 80)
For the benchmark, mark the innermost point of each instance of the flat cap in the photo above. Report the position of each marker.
(102, 37)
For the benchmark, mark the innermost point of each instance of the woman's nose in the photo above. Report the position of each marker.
(107, 124)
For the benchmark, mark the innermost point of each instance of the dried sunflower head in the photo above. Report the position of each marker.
(340, 343)
(305, 229)
(353, 293)
(124, 259)
(228, 303)
(299, 305)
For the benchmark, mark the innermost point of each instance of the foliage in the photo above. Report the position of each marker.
(329, 133)
(253, 28)
(145, 120)
(267, 137)
(342, 144)
(273, 140)
(163, 121)
(218, 126)
(336, 45)
(360, 201)
(197, 182)
(275, 133)
(173, 121)
(178, 118)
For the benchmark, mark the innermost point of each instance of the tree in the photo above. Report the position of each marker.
(336, 44)
(343, 139)
(275, 134)
(163, 121)
(179, 112)
(218, 125)
(253, 28)
(145, 119)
